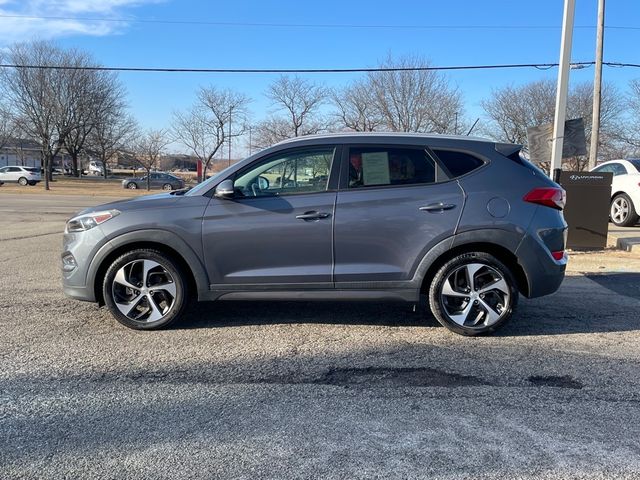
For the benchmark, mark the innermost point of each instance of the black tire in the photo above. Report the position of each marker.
(491, 269)
(630, 216)
(23, 181)
(168, 266)
(167, 186)
(132, 185)
(33, 183)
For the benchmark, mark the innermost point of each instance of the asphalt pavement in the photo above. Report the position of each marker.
(310, 390)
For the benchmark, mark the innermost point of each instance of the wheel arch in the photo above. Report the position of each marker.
(428, 268)
(165, 242)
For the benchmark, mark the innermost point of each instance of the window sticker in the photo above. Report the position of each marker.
(375, 168)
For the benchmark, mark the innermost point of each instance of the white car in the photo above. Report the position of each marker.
(625, 190)
(22, 175)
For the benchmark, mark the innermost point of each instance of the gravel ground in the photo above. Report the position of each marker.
(312, 390)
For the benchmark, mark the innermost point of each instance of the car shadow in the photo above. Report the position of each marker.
(571, 310)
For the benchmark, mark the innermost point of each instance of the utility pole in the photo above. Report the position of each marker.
(597, 89)
(563, 86)
(229, 137)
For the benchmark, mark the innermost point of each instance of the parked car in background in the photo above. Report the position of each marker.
(625, 191)
(96, 167)
(22, 175)
(162, 180)
(465, 223)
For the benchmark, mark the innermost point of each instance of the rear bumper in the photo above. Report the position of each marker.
(544, 274)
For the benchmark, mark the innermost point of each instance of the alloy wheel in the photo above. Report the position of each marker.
(619, 210)
(144, 291)
(475, 295)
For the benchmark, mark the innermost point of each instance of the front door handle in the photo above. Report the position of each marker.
(437, 207)
(313, 215)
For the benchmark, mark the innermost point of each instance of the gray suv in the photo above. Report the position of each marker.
(464, 223)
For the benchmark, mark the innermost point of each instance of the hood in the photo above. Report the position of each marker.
(159, 200)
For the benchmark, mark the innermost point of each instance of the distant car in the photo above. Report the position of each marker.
(165, 181)
(97, 168)
(625, 191)
(22, 175)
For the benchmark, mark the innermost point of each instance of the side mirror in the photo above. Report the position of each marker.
(224, 189)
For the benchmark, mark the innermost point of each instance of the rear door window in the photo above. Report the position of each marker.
(458, 163)
(390, 166)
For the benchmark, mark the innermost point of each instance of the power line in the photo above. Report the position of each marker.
(542, 66)
(303, 25)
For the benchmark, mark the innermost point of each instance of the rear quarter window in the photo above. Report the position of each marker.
(458, 163)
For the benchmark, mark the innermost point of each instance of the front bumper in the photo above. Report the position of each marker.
(83, 247)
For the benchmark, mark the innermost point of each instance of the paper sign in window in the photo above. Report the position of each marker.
(375, 168)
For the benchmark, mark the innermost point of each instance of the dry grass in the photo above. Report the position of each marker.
(68, 186)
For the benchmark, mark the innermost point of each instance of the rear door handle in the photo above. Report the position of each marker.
(313, 215)
(437, 207)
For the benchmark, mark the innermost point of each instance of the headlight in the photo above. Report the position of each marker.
(89, 220)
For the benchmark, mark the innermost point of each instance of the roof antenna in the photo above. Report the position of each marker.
(473, 126)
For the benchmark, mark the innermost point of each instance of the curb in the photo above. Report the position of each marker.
(628, 244)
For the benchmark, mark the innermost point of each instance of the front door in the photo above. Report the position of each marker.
(277, 229)
(395, 203)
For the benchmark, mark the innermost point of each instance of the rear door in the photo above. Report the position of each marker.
(394, 204)
(277, 230)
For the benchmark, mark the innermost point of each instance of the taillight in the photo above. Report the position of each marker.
(559, 255)
(548, 196)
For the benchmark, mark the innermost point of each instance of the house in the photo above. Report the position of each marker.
(27, 153)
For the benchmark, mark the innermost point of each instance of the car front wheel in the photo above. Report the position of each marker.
(167, 186)
(473, 294)
(132, 185)
(145, 289)
(623, 212)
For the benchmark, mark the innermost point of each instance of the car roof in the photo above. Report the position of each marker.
(349, 137)
(623, 161)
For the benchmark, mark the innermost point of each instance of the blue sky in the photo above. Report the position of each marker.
(153, 96)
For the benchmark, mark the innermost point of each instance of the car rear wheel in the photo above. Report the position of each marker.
(623, 212)
(473, 294)
(132, 185)
(23, 181)
(145, 289)
(167, 186)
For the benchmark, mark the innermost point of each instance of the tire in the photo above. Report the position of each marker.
(150, 305)
(33, 183)
(467, 309)
(622, 211)
(23, 181)
(132, 186)
(167, 186)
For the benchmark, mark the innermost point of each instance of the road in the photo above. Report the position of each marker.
(311, 390)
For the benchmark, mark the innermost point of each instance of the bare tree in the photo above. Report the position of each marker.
(296, 103)
(356, 107)
(149, 147)
(111, 135)
(206, 127)
(414, 100)
(50, 102)
(511, 110)
(7, 126)
(99, 98)
(629, 134)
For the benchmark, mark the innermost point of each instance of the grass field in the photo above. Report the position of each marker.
(73, 186)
